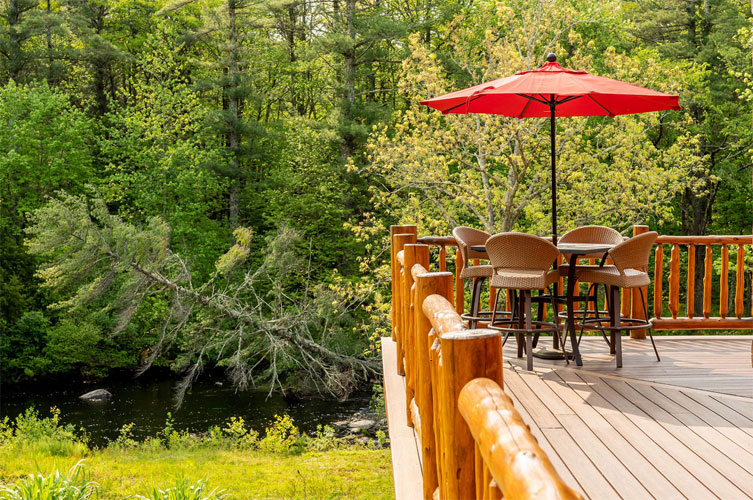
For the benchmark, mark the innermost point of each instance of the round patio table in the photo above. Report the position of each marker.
(574, 250)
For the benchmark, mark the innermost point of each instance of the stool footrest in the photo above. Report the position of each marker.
(510, 326)
(625, 324)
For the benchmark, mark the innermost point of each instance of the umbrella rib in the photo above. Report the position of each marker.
(528, 103)
(600, 105)
(465, 103)
(531, 98)
(568, 99)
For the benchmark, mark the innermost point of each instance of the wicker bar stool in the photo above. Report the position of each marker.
(588, 234)
(465, 238)
(626, 256)
(523, 262)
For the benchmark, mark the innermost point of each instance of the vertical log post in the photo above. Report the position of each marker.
(690, 307)
(658, 280)
(674, 281)
(427, 284)
(394, 266)
(399, 241)
(465, 355)
(636, 310)
(435, 361)
(739, 281)
(442, 258)
(724, 284)
(412, 254)
(707, 277)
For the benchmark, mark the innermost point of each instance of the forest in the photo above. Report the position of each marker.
(209, 184)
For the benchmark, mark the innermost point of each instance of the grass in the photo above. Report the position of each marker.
(244, 474)
(282, 464)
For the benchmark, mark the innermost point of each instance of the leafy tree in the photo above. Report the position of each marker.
(158, 159)
(46, 145)
(493, 171)
(18, 28)
(21, 346)
(290, 344)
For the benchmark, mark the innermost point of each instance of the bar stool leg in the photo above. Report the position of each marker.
(519, 304)
(614, 309)
(616, 333)
(529, 329)
(478, 283)
(540, 308)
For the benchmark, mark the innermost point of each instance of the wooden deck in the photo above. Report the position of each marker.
(681, 428)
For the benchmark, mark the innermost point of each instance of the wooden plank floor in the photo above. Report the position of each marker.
(406, 461)
(679, 428)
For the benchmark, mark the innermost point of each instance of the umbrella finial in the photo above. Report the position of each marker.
(551, 57)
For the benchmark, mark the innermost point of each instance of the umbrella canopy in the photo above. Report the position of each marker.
(554, 91)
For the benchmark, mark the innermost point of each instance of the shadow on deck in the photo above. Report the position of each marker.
(679, 428)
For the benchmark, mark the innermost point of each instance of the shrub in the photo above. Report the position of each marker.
(282, 436)
(43, 435)
(241, 437)
(184, 490)
(323, 439)
(75, 486)
(125, 439)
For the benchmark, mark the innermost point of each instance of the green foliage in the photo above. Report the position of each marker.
(47, 145)
(185, 490)
(377, 402)
(281, 437)
(42, 435)
(76, 485)
(21, 344)
(156, 153)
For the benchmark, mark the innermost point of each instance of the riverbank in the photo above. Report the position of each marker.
(146, 401)
(278, 463)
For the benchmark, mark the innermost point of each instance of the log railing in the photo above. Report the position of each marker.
(439, 356)
(718, 311)
(714, 246)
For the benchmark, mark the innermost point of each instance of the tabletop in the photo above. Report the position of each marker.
(568, 248)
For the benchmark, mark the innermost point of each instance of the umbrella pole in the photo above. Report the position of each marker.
(552, 133)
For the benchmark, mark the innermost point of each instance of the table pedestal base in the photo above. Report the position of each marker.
(546, 353)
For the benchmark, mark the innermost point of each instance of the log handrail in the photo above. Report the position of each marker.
(439, 355)
(513, 457)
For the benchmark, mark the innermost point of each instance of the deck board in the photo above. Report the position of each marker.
(406, 465)
(679, 428)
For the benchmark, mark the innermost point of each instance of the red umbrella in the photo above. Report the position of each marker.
(554, 91)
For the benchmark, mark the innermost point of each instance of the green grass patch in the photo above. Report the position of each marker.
(235, 462)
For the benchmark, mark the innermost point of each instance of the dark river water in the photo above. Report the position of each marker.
(146, 403)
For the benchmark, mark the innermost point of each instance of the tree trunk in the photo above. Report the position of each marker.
(349, 81)
(233, 140)
(15, 52)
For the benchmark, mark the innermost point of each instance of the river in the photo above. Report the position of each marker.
(147, 401)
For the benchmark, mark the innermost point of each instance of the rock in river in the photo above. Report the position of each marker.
(96, 395)
(362, 424)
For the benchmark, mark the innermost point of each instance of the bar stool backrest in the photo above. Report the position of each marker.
(592, 234)
(520, 251)
(633, 253)
(468, 236)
